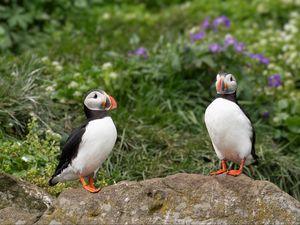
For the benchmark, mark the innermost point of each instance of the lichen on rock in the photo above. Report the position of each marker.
(178, 199)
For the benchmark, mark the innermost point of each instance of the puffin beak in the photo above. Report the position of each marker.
(221, 86)
(113, 103)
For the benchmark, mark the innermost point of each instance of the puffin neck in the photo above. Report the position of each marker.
(94, 114)
(230, 97)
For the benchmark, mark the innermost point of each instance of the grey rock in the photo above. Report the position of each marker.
(178, 199)
(21, 202)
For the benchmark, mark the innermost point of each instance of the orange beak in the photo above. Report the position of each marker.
(113, 103)
(221, 86)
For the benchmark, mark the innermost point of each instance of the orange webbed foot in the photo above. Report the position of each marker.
(218, 172)
(234, 172)
(223, 170)
(237, 172)
(89, 187)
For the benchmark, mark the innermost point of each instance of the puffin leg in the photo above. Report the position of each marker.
(239, 171)
(91, 183)
(90, 187)
(222, 170)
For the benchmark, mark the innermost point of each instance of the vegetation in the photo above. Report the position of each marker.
(159, 60)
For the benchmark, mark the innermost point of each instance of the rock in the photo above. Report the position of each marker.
(21, 202)
(178, 199)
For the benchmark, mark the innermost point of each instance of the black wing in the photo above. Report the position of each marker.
(255, 157)
(69, 150)
(253, 138)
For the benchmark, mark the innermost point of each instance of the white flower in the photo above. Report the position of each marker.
(261, 8)
(113, 75)
(77, 94)
(106, 16)
(293, 22)
(285, 48)
(293, 55)
(62, 100)
(58, 68)
(271, 66)
(45, 59)
(287, 38)
(270, 23)
(25, 158)
(265, 72)
(276, 119)
(294, 14)
(290, 27)
(130, 16)
(263, 41)
(272, 39)
(194, 30)
(185, 5)
(73, 84)
(289, 83)
(288, 74)
(293, 29)
(55, 63)
(106, 66)
(76, 74)
(50, 89)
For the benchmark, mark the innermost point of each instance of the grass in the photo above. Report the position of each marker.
(161, 99)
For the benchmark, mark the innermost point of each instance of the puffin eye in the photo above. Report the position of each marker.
(95, 96)
(231, 79)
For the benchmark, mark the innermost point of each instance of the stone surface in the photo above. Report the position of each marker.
(21, 202)
(178, 199)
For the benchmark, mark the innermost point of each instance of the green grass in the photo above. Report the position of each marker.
(161, 99)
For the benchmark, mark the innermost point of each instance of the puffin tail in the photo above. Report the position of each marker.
(51, 182)
(256, 161)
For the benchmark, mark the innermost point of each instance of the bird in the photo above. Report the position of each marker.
(89, 145)
(229, 127)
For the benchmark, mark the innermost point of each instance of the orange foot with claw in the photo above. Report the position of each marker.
(237, 172)
(234, 172)
(223, 170)
(90, 187)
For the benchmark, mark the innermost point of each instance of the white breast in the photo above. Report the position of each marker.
(229, 129)
(97, 142)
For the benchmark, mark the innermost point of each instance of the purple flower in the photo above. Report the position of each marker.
(265, 115)
(198, 36)
(205, 23)
(229, 40)
(221, 20)
(139, 52)
(262, 59)
(239, 47)
(274, 80)
(214, 48)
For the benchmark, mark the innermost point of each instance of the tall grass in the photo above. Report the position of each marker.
(21, 94)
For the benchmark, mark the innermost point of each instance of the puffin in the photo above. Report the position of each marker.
(229, 127)
(89, 145)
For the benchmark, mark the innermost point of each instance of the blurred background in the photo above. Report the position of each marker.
(159, 60)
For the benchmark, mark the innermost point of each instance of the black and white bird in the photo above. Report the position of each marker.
(229, 128)
(89, 145)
